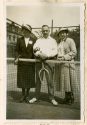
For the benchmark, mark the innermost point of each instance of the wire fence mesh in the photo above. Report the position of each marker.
(12, 79)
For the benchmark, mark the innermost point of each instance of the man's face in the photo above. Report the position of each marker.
(45, 31)
(63, 35)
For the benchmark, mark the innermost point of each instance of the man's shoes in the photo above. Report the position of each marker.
(33, 100)
(22, 99)
(53, 101)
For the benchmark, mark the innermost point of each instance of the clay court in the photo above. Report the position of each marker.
(41, 110)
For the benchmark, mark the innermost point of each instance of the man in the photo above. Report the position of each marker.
(45, 48)
(67, 52)
(25, 70)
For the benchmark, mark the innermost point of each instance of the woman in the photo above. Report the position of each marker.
(67, 52)
(25, 70)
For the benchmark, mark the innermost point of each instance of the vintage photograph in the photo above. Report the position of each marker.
(44, 53)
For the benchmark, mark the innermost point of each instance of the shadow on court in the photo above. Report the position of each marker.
(40, 110)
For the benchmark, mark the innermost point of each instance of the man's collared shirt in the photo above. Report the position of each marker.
(47, 46)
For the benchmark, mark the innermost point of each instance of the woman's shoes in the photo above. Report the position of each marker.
(22, 99)
(69, 98)
(27, 99)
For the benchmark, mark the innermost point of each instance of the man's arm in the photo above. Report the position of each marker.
(36, 49)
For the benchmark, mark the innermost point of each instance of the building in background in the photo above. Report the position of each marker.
(14, 32)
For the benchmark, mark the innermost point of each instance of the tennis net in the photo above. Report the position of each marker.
(12, 78)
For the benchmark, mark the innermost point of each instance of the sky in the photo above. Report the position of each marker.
(37, 15)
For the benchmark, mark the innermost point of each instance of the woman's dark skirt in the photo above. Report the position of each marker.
(26, 75)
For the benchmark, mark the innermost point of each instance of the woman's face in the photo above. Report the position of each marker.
(63, 35)
(26, 33)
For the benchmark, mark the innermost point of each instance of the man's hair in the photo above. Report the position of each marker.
(45, 26)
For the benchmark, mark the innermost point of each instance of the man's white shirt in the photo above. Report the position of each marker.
(47, 46)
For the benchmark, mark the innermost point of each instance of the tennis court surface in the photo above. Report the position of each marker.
(40, 110)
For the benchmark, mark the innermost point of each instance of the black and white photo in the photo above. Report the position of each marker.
(44, 62)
